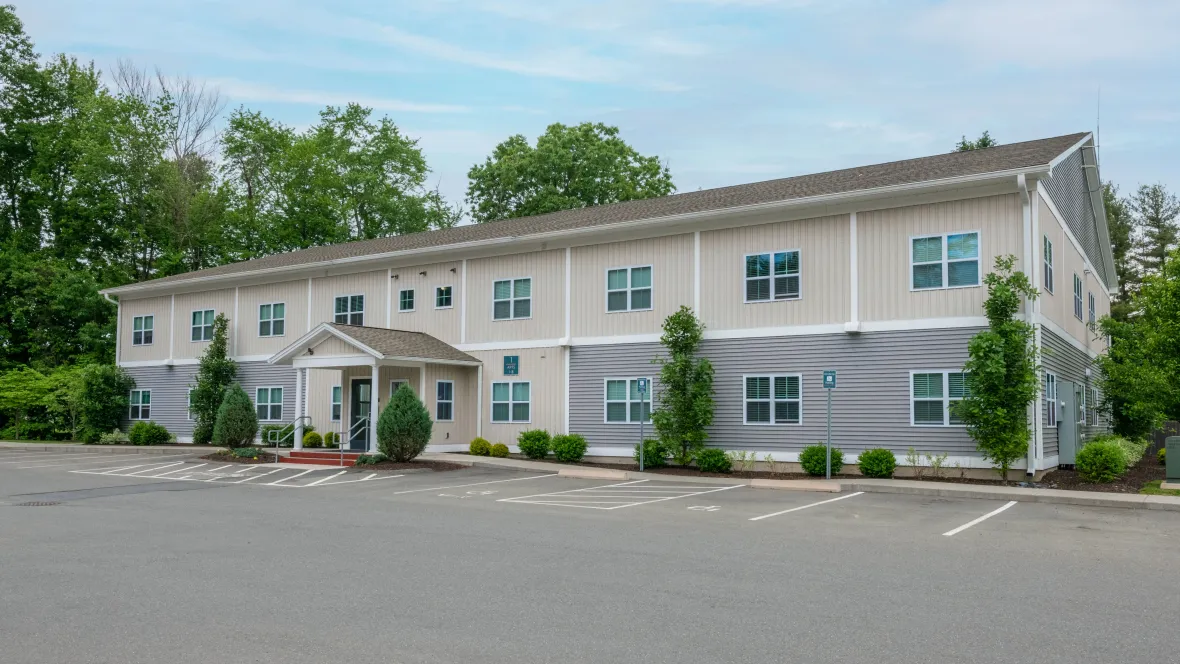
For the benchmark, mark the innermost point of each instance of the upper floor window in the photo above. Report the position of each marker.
(269, 402)
(1050, 399)
(510, 401)
(944, 261)
(141, 405)
(1093, 313)
(772, 276)
(405, 300)
(442, 297)
(203, 325)
(1077, 296)
(932, 397)
(141, 330)
(444, 402)
(628, 289)
(337, 403)
(624, 403)
(774, 399)
(350, 309)
(1048, 264)
(512, 298)
(272, 319)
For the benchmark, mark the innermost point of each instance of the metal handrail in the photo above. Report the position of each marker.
(352, 430)
(277, 436)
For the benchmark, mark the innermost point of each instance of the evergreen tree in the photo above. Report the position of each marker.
(1121, 226)
(215, 373)
(685, 406)
(985, 140)
(404, 427)
(236, 422)
(1155, 219)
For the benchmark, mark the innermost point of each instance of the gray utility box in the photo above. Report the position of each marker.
(1172, 458)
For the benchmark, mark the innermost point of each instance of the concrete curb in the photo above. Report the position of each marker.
(908, 487)
(79, 448)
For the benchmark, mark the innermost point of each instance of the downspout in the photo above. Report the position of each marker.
(1030, 315)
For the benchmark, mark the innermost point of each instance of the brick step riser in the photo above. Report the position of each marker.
(323, 455)
(318, 462)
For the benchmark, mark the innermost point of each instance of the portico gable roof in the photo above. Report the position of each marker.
(379, 343)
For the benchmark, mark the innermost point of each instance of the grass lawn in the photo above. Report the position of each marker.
(1153, 489)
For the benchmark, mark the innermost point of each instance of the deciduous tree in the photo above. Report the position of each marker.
(684, 408)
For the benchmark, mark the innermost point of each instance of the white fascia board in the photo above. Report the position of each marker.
(1068, 151)
(316, 336)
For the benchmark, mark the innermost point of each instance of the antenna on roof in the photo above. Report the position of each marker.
(1098, 128)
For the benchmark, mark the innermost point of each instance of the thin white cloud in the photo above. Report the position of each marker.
(247, 91)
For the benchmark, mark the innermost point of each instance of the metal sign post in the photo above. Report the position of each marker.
(642, 394)
(829, 385)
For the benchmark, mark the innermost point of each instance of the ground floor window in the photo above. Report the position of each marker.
(1050, 399)
(191, 416)
(269, 402)
(141, 405)
(932, 396)
(510, 401)
(1094, 406)
(444, 402)
(623, 402)
(337, 402)
(773, 399)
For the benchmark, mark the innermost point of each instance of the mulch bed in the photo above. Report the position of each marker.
(226, 457)
(416, 464)
(1149, 468)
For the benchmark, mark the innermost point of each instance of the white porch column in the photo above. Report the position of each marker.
(299, 407)
(374, 392)
(479, 401)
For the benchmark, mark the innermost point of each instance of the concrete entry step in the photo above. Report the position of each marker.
(319, 461)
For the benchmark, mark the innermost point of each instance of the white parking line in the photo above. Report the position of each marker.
(460, 486)
(254, 477)
(33, 458)
(178, 470)
(325, 479)
(276, 482)
(592, 497)
(85, 461)
(985, 517)
(152, 470)
(367, 478)
(803, 507)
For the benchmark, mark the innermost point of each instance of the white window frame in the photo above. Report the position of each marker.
(628, 401)
(143, 330)
(350, 313)
(202, 326)
(272, 319)
(1094, 401)
(512, 299)
(394, 382)
(333, 404)
(1077, 296)
(1051, 416)
(401, 294)
(1082, 419)
(1047, 256)
(438, 400)
(450, 296)
(269, 404)
(511, 410)
(189, 405)
(946, 261)
(946, 398)
(771, 277)
(629, 289)
(132, 405)
(1093, 309)
(772, 400)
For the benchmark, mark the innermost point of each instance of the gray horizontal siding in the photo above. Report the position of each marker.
(1069, 364)
(1067, 189)
(871, 408)
(170, 385)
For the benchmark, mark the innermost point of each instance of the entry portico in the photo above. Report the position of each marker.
(373, 362)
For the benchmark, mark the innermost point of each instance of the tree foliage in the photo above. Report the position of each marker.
(1121, 225)
(570, 167)
(105, 391)
(985, 140)
(1002, 374)
(1156, 211)
(236, 423)
(21, 391)
(685, 400)
(215, 374)
(403, 428)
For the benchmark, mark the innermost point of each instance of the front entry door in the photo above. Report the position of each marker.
(359, 409)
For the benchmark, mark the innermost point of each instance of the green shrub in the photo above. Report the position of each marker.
(104, 400)
(313, 439)
(569, 448)
(148, 433)
(534, 443)
(269, 434)
(237, 421)
(814, 459)
(245, 452)
(500, 450)
(1161, 455)
(331, 439)
(370, 459)
(655, 454)
(1133, 450)
(876, 463)
(1101, 461)
(117, 437)
(479, 447)
(404, 427)
(712, 460)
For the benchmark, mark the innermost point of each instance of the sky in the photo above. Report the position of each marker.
(724, 91)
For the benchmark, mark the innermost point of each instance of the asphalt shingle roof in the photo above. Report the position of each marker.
(400, 343)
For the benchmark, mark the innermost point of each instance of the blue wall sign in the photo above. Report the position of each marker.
(829, 380)
(511, 365)
(642, 385)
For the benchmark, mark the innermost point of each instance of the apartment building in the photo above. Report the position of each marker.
(548, 321)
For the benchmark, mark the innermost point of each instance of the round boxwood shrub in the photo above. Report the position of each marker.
(875, 463)
(237, 421)
(500, 450)
(534, 443)
(814, 459)
(312, 439)
(569, 448)
(1101, 461)
(479, 447)
(331, 439)
(655, 454)
(148, 433)
(712, 460)
(404, 427)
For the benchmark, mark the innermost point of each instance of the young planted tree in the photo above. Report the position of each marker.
(685, 407)
(106, 391)
(215, 373)
(403, 429)
(1001, 370)
(236, 424)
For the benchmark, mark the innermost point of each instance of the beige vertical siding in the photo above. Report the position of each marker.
(439, 323)
(883, 248)
(823, 269)
(293, 295)
(1058, 307)
(547, 270)
(1054, 305)
(158, 307)
(672, 282)
(319, 398)
(370, 284)
(544, 368)
(221, 301)
(466, 412)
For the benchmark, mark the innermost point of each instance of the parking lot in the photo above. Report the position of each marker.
(250, 563)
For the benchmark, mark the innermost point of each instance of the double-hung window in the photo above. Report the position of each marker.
(337, 403)
(510, 401)
(628, 289)
(141, 405)
(189, 410)
(772, 276)
(1080, 395)
(272, 319)
(1050, 399)
(1048, 264)
(1094, 401)
(1077, 296)
(405, 300)
(203, 325)
(944, 261)
(350, 309)
(623, 402)
(444, 402)
(442, 297)
(512, 298)
(933, 395)
(773, 399)
(1093, 312)
(269, 402)
(142, 328)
